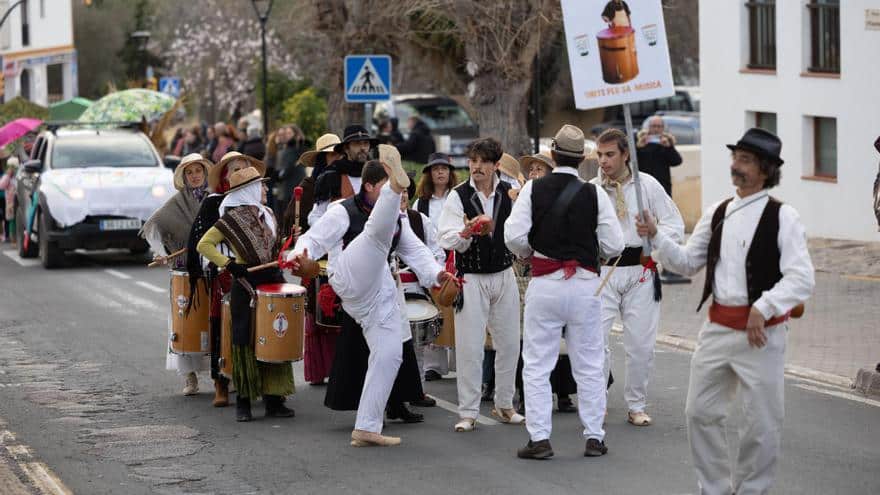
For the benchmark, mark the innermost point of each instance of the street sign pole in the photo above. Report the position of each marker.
(368, 116)
(634, 161)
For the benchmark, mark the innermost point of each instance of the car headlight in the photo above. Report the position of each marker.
(76, 193)
(158, 191)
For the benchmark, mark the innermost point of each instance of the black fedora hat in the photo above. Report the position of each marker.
(761, 142)
(437, 158)
(355, 133)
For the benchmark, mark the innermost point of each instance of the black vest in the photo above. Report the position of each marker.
(424, 206)
(487, 254)
(416, 223)
(358, 213)
(762, 260)
(573, 235)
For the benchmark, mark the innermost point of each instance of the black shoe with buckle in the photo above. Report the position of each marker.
(243, 409)
(405, 415)
(275, 407)
(425, 401)
(536, 450)
(595, 448)
(432, 375)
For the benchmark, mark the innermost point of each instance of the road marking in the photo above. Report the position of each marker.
(39, 475)
(149, 286)
(13, 255)
(862, 278)
(836, 393)
(453, 408)
(117, 274)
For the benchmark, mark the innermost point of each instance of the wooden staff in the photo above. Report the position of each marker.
(608, 276)
(164, 259)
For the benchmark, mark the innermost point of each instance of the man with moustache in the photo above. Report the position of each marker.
(758, 269)
(342, 179)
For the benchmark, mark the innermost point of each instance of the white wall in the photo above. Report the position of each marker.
(837, 210)
(53, 29)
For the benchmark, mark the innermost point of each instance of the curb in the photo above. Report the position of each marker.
(867, 383)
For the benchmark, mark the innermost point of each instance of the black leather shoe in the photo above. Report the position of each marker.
(425, 401)
(432, 375)
(564, 405)
(403, 414)
(275, 407)
(536, 450)
(595, 448)
(243, 409)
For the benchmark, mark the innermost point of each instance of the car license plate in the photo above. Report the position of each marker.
(120, 224)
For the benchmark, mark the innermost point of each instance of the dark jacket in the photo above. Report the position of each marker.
(656, 159)
(290, 173)
(419, 145)
(254, 147)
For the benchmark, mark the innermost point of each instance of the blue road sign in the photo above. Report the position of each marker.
(367, 78)
(170, 85)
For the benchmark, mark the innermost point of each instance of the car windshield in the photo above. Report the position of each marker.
(103, 151)
(438, 115)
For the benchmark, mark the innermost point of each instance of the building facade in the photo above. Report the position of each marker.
(807, 70)
(37, 51)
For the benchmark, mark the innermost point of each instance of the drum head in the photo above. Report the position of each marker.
(418, 310)
(286, 289)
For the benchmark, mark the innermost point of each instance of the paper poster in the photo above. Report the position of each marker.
(617, 51)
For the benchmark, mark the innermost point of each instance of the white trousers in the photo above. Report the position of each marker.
(633, 301)
(437, 359)
(362, 280)
(552, 305)
(723, 362)
(489, 299)
(184, 364)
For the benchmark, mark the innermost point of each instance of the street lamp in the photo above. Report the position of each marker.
(262, 9)
(141, 38)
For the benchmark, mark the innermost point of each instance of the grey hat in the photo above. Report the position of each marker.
(569, 141)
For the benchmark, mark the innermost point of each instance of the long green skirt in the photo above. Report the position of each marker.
(253, 378)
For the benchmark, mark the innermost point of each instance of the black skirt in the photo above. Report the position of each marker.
(350, 370)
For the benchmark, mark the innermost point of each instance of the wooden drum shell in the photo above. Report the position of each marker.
(617, 51)
(190, 331)
(279, 323)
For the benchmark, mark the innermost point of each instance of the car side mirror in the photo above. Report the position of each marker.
(171, 161)
(33, 166)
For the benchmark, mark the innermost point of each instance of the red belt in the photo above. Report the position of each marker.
(408, 277)
(737, 317)
(546, 266)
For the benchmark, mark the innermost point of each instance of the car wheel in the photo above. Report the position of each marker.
(50, 254)
(21, 228)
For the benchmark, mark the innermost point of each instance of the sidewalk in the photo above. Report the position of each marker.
(838, 333)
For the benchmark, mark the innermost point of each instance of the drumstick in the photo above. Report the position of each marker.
(297, 195)
(607, 276)
(270, 264)
(165, 259)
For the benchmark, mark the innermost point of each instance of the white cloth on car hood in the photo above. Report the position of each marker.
(124, 192)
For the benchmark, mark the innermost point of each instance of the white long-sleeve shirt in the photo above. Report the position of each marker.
(730, 286)
(655, 199)
(430, 237)
(435, 207)
(452, 217)
(519, 224)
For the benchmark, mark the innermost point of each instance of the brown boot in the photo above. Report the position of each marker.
(221, 392)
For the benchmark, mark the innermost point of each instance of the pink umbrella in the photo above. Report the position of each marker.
(16, 129)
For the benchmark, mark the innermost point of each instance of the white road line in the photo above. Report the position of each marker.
(117, 274)
(149, 286)
(836, 393)
(13, 255)
(453, 408)
(39, 475)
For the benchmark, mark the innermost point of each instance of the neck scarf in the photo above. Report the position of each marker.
(617, 185)
(198, 192)
(249, 195)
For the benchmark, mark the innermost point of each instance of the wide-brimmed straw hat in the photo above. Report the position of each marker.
(508, 165)
(325, 144)
(215, 174)
(190, 159)
(355, 133)
(569, 141)
(243, 177)
(437, 158)
(544, 158)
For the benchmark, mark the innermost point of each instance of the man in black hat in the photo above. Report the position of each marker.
(343, 178)
(758, 269)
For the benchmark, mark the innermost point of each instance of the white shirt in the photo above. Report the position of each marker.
(730, 287)
(452, 218)
(519, 224)
(430, 237)
(319, 208)
(435, 206)
(655, 200)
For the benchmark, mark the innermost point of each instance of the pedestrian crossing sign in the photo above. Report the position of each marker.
(170, 86)
(367, 78)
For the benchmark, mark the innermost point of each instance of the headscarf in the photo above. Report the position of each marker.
(249, 195)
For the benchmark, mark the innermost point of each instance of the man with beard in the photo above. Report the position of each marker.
(343, 178)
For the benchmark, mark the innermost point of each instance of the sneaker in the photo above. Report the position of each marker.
(536, 450)
(638, 418)
(595, 448)
(192, 384)
(432, 375)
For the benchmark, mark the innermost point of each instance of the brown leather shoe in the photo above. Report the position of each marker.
(221, 393)
(361, 438)
(595, 448)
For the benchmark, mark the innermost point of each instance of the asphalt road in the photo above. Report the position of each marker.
(83, 387)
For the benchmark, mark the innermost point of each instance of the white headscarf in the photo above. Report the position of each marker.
(514, 184)
(249, 195)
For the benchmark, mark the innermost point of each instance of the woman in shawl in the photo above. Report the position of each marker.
(219, 283)
(167, 231)
(249, 229)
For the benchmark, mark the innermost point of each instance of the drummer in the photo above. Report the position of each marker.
(166, 231)
(249, 228)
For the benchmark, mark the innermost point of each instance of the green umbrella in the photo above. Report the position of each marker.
(129, 105)
(70, 109)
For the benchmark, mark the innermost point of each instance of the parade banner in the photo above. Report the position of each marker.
(617, 51)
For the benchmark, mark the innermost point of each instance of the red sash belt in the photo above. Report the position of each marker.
(408, 277)
(546, 266)
(737, 317)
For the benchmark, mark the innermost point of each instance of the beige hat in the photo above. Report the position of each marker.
(214, 176)
(243, 177)
(190, 159)
(569, 141)
(508, 165)
(325, 144)
(544, 158)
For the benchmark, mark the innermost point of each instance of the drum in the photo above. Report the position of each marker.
(617, 51)
(447, 331)
(325, 323)
(279, 323)
(424, 319)
(190, 331)
(225, 360)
